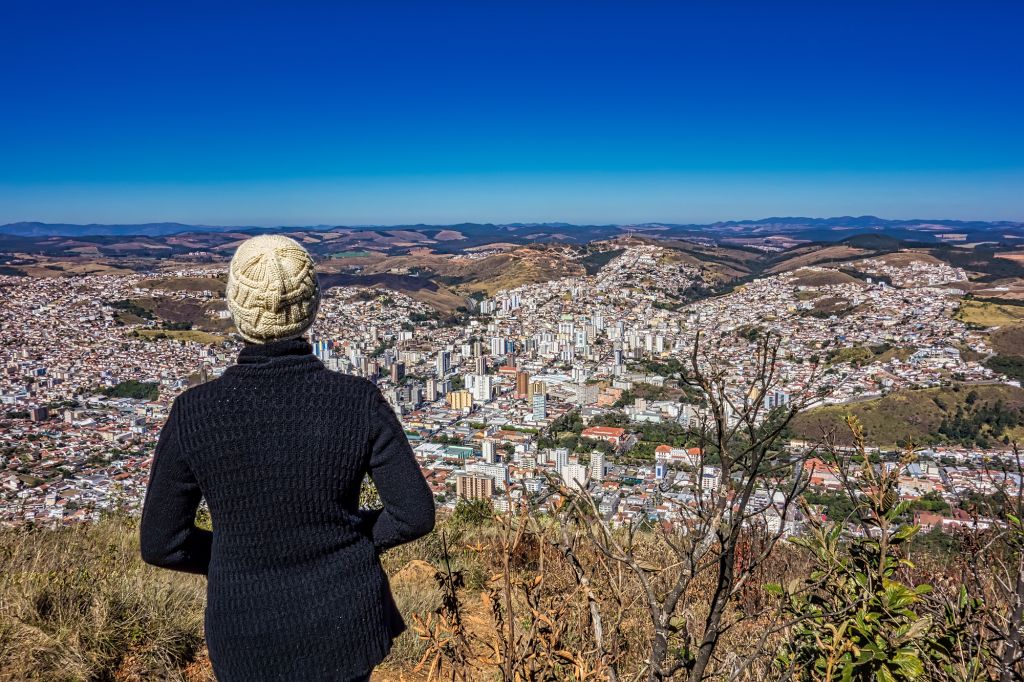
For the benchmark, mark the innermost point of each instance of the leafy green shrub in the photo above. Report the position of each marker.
(856, 617)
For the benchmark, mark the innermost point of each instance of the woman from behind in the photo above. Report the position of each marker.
(278, 446)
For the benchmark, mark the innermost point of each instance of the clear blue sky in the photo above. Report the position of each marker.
(384, 112)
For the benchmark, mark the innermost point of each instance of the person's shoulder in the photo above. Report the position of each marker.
(350, 383)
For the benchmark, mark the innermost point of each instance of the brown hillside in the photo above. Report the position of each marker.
(1008, 340)
(903, 258)
(822, 278)
(214, 284)
(812, 255)
(490, 274)
(174, 310)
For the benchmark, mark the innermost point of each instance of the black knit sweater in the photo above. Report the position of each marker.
(278, 446)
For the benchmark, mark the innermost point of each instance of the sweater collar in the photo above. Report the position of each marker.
(254, 353)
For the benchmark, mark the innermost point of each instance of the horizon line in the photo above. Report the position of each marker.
(666, 223)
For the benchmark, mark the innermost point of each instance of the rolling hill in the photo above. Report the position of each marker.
(812, 229)
(904, 416)
(450, 262)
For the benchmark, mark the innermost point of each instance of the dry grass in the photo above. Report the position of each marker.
(70, 269)
(79, 604)
(814, 255)
(491, 274)
(416, 593)
(214, 284)
(476, 553)
(904, 258)
(1017, 256)
(989, 314)
(1008, 340)
(193, 312)
(823, 278)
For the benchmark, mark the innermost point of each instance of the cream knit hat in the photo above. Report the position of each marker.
(272, 292)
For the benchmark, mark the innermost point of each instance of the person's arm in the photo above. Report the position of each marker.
(408, 511)
(168, 534)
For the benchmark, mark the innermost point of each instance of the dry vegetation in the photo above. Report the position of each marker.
(815, 255)
(905, 258)
(202, 337)
(186, 311)
(486, 598)
(79, 604)
(64, 268)
(217, 285)
(1017, 256)
(988, 314)
(1008, 340)
(490, 274)
(441, 299)
(822, 278)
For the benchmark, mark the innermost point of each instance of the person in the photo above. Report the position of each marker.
(279, 446)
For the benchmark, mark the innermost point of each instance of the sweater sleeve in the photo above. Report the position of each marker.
(408, 511)
(169, 537)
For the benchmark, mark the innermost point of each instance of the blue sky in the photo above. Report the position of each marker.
(385, 112)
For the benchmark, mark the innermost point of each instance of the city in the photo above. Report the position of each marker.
(522, 389)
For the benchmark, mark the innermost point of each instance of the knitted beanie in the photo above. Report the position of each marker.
(272, 291)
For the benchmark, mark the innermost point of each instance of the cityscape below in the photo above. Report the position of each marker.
(523, 354)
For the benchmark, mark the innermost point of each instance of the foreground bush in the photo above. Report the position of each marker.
(858, 617)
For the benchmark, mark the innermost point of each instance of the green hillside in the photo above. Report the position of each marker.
(922, 415)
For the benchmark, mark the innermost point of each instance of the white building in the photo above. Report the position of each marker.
(490, 451)
(574, 475)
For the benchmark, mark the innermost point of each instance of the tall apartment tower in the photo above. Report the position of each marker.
(498, 345)
(597, 465)
(574, 475)
(522, 384)
(444, 364)
(561, 458)
(397, 371)
(537, 387)
(490, 451)
(483, 388)
(540, 406)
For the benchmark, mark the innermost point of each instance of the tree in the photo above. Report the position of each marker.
(722, 535)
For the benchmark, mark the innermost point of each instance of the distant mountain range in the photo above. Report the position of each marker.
(816, 229)
(418, 259)
(33, 229)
